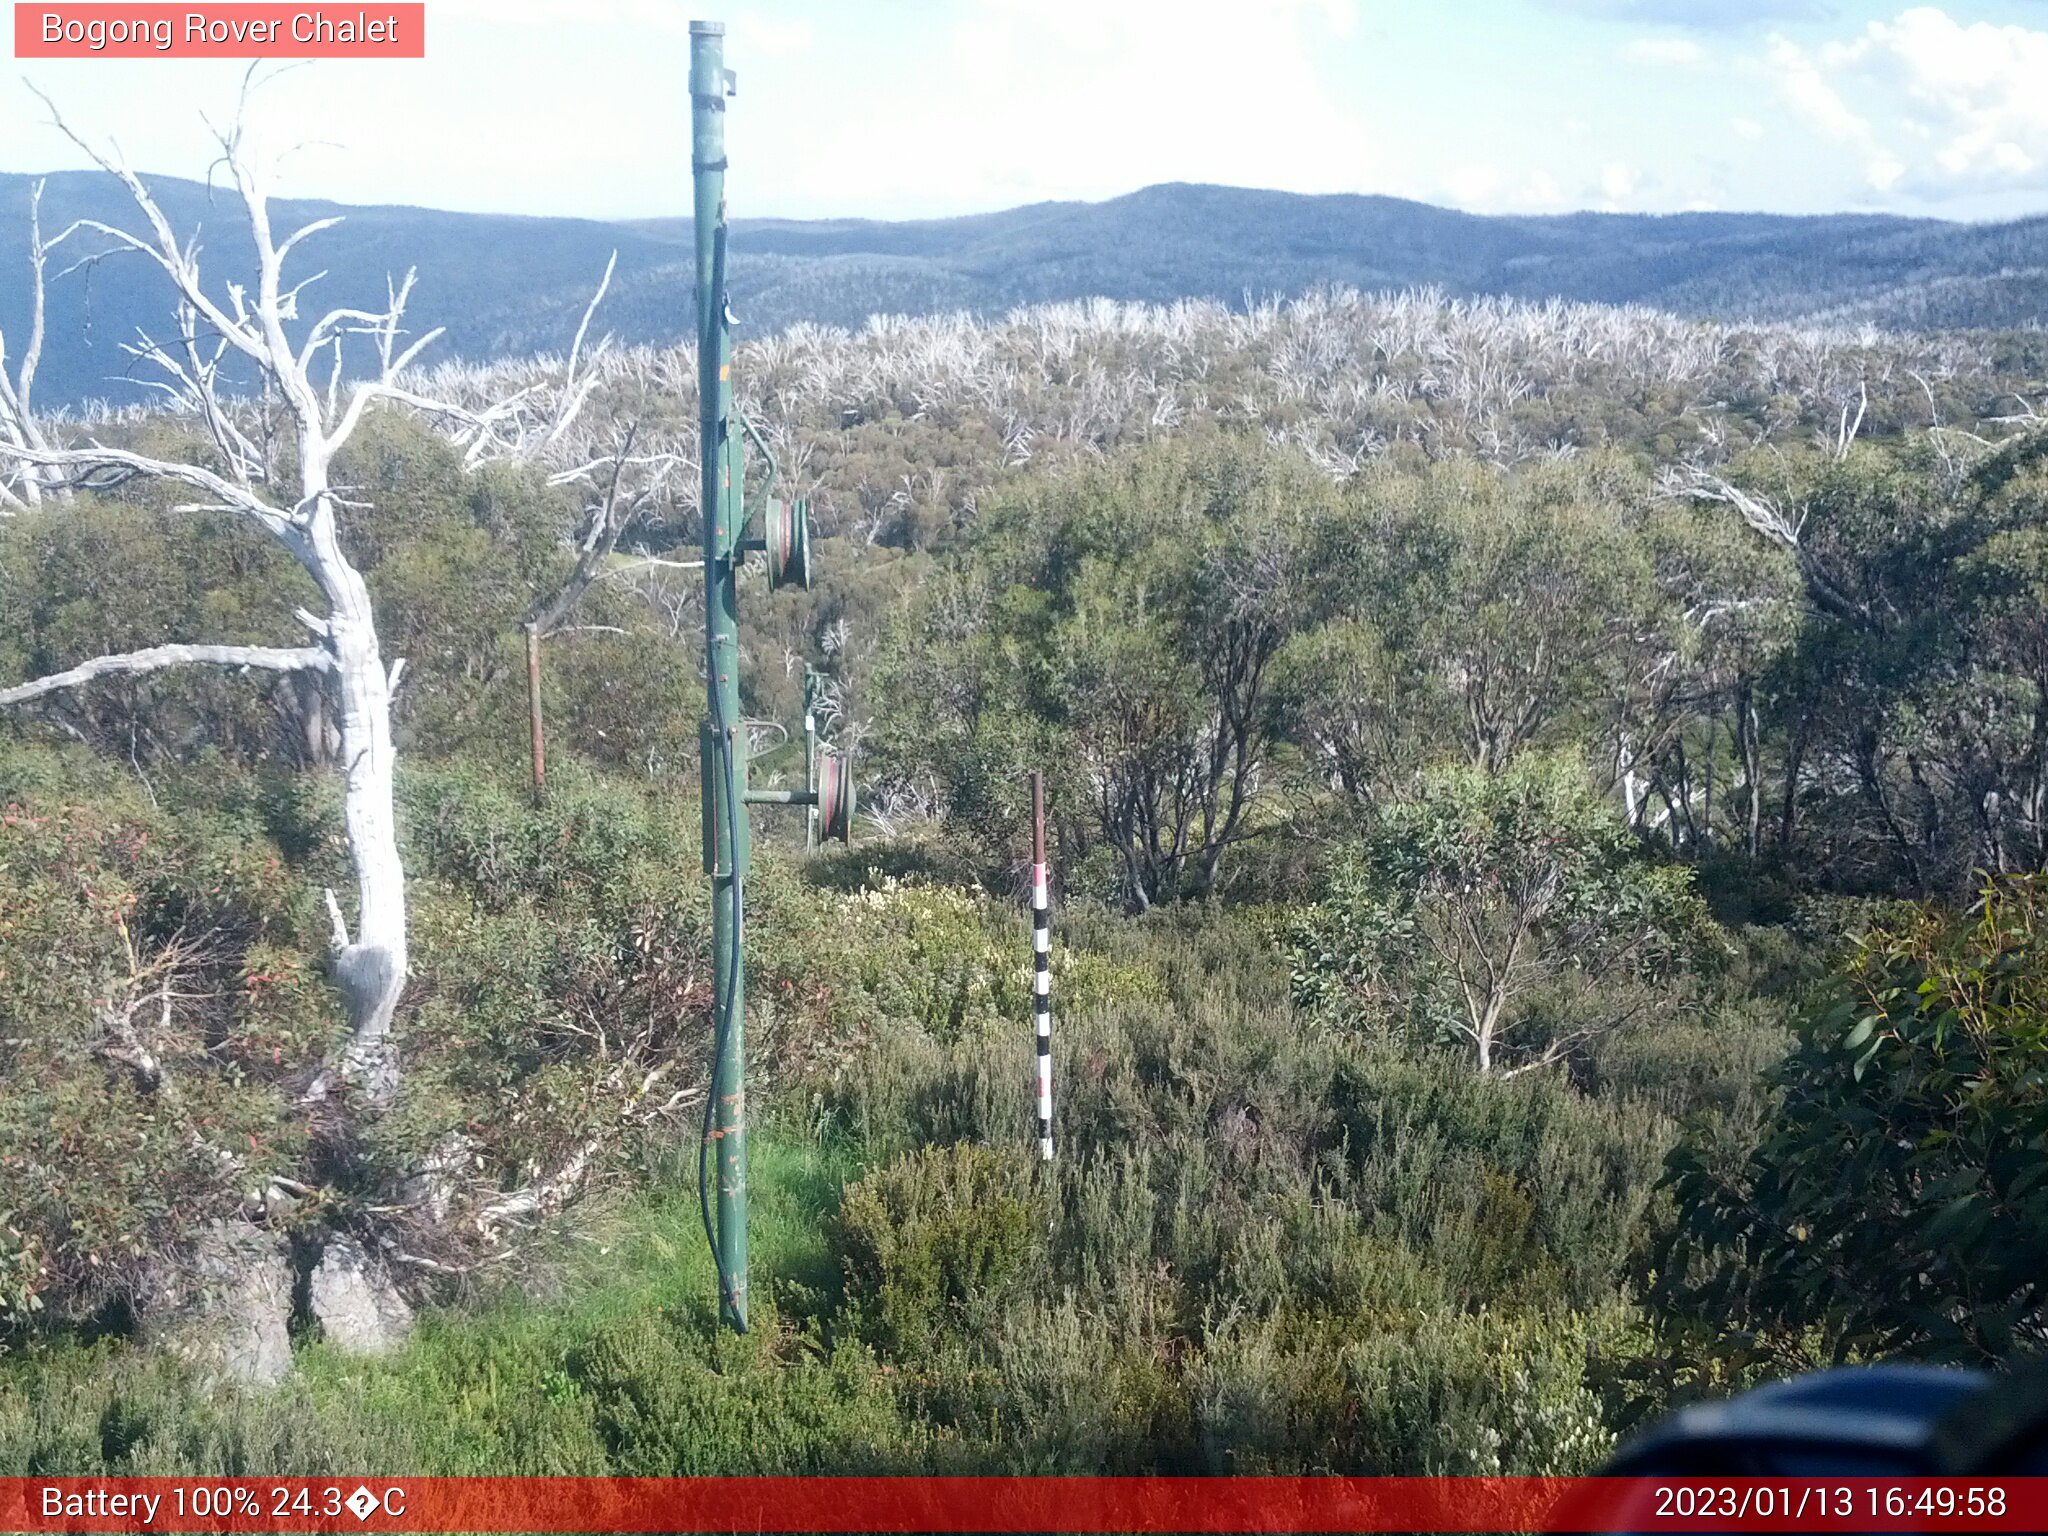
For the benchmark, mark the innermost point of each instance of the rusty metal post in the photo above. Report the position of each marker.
(540, 756)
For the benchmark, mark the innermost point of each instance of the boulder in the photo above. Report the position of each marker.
(358, 1307)
(225, 1304)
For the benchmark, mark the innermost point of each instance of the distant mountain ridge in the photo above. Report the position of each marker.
(505, 285)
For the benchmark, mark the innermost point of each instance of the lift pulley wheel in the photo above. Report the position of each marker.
(835, 796)
(787, 537)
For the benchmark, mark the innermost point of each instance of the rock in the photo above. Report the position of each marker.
(359, 1309)
(225, 1305)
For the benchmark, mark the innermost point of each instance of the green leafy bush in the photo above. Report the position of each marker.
(1443, 1394)
(1524, 1189)
(1898, 1201)
(1513, 911)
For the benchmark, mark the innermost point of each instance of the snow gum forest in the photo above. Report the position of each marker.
(1548, 812)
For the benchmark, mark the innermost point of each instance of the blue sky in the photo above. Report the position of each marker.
(903, 108)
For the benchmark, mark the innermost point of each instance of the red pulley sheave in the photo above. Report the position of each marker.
(787, 535)
(835, 796)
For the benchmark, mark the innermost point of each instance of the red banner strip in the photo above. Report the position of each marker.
(1015, 1504)
(379, 30)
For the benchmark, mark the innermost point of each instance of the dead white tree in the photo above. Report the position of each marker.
(1777, 525)
(282, 482)
(18, 426)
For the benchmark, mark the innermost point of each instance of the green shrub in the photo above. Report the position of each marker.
(1478, 1394)
(1444, 1394)
(1524, 1186)
(672, 1398)
(110, 1409)
(133, 1106)
(1511, 913)
(932, 1243)
(1076, 1390)
(1898, 1202)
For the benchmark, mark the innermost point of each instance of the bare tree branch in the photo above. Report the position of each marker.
(290, 436)
(617, 508)
(1774, 523)
(99, 469)
(583, 328)
(158, 657)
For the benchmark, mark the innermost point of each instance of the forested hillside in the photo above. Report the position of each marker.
(508, 287)
(1537, 791)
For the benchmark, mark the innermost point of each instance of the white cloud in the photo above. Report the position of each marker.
(659, 16)
(1659, 52)
(1618, 182)
(1746, 128)
(1039, 99)
(1472, 186)
(1542, 191)
(1928, 104)
(1810, 94)
(1487, 187)
(1698, 13)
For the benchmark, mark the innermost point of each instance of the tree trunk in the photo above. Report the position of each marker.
(1625, 770)
(1870, 771)
(370, 971)
(308, 695)
(1788, 811)
(2037, 795)
(1486, 1028)
(1706, 835)
(1748, 736)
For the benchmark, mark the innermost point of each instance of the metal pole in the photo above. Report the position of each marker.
(724, 747)
(540, 756)
(811, 757)
(1041, 964)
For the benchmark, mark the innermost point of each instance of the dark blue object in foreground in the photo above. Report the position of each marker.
(1867, 1421)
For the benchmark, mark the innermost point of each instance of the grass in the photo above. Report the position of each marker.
(526, 1382)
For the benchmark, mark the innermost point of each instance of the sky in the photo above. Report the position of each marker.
(925, 108)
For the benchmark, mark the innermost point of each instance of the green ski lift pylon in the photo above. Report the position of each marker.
(786, 541)
(723, 738)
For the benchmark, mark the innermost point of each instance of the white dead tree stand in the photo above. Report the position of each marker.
(290, 495)
(17, 403)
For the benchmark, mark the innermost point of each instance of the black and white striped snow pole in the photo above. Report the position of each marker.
(1041, 964)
